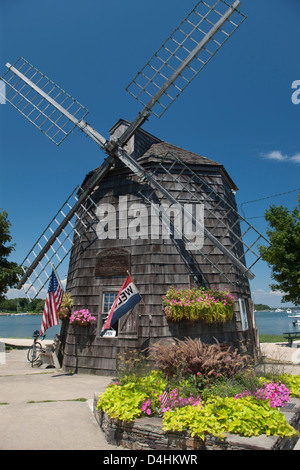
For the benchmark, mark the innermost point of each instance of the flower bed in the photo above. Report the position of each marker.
(249, 415)
(211, 402)
(207, 305)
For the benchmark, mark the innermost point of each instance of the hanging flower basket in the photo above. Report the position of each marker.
(193, 305)
(66, 307)
(82, 318)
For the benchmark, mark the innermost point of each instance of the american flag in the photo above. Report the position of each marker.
(52, 303)
(165, 399)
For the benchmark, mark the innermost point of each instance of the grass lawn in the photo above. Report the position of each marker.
(272, 339)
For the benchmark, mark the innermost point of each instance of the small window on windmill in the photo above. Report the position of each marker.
(107, 303)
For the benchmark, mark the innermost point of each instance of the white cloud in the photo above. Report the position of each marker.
(263, 292)
(276, 293)
(295, 158)
(278, 156)
(15, 293)
(267, 297)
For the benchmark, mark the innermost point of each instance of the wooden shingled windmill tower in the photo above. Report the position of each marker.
(166, 215)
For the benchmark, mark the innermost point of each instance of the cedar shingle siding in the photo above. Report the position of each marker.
(155, 265)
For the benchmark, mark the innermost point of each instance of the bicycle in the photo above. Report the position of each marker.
(33, 354)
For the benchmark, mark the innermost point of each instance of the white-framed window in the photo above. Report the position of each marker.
(243, 314)
(108, 299)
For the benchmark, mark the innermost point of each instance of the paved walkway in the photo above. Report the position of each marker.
(288, 358)
(57, 424)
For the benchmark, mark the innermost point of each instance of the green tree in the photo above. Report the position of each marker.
(261, 307)
(283, 256)
(8, 269)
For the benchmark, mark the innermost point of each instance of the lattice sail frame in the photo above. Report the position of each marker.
(179, 48)
(48, 252)
(36, 107)
(225, 223)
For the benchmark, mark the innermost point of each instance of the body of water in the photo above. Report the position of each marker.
(276, 323)
(23, 326)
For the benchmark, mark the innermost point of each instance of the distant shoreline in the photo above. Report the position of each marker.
(20, 314)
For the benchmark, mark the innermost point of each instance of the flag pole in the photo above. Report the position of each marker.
(150, 316)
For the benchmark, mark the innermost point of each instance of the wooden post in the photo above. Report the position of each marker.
(150, 316)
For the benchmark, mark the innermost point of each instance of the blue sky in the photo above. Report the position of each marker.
(238, 111)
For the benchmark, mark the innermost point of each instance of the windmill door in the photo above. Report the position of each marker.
(126, 327)
(111, 268)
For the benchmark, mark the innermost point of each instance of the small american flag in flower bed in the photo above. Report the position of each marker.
(165, 399)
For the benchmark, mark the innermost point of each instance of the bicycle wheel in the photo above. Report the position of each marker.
(33, 353)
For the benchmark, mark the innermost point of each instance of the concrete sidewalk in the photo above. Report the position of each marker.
(284, 354)
(38, 411)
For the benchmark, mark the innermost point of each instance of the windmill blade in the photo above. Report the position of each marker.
(174, 233)
(27, 90)
(155, 183)
(56, 241)
(182, 56)
(52, 110)
(233, 232)
(56, 114)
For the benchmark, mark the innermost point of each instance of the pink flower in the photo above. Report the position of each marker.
(277, 394)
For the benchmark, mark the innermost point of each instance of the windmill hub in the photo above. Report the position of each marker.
(111, 147)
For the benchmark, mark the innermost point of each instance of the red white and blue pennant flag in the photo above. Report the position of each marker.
(126, 299)
(52, 303)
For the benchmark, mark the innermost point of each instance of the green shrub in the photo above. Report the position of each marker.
(225, 387)
(293, 384)
(124, 402)
(245, 416)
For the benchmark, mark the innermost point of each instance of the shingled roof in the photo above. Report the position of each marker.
(147, 148)
(161, 149)
(156, 151)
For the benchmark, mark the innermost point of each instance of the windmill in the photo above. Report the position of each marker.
(158, 181)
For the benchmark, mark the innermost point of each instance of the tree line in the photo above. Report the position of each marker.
(22, 305)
